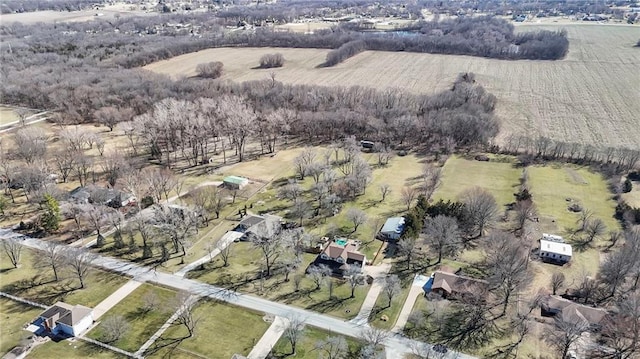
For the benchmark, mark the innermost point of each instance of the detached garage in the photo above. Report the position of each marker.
(235, 182)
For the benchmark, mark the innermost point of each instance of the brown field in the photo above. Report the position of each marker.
(589, 97)
(51, 16)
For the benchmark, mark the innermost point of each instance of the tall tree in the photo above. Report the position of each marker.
(80, 261)
(52, 255)
(268, 242)
(442, 236)
(294, 331)
(51, 217)
(564, 335)
(13, 248)
(391, 287)
(357, 217)
(481, 207)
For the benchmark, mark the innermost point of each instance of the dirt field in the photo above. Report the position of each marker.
(590, 97)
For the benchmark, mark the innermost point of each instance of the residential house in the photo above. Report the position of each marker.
(100, 195)
(266, 226)
(235, 182)
(572, 312)
(64, 319)
(393, 228)
(248, 222)
(555, 252)
(450, 285)
(339, 255)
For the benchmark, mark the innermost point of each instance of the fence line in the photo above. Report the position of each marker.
(22, 300)
(110, 347)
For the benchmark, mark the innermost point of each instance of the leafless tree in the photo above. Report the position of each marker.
(150, 301)
(110, 116)
(183, 305)
(269, 244)
(332, 348)
(407, 248)
(225, 252)
(595, 228)
(391, 287)
(442, 236)
(525, 211)
(114, 328)
(585, 217)
(113, 166)
(13, 248)
(291, 191)
(357, 217)
(614, 237)
(481, 207)
(408, 195)
(354, 277)
(142, 226)
(240, 121)
(318, 274)
(385, 189)
(82, 167)
(178, 225)
(303, 161)
(65, 163)
(564, 335)
(374, 336)
(160, 182)
(80, 261)
(52, 255)
(431, 178)
(557, 281)
(95, 215)
(30, 144)
(301, 210)
(621, 333)
(211, 70)
(134, 183)
(294, 331)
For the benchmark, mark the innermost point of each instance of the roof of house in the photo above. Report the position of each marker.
(555, 247)
(251, 220)
(393, 225)
(235, 180)
(573, 312)
(268, 227)
(347, 252)
(453, 283)
(66, 314)
(552, 237)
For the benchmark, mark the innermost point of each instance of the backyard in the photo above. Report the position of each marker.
(14, 317)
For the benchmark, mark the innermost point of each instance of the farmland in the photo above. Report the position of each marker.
(575, 99)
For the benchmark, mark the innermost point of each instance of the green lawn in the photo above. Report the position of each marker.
(243, 274)
(72, 349)
(553, 185)
(222, 331)
(141, 325)
(37, 284)
(14, 316)
(306, 347)
(499, 176)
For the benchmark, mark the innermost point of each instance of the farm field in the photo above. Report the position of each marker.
(575, 99)
(50, 16)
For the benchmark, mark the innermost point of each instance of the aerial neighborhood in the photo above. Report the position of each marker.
(319, 179)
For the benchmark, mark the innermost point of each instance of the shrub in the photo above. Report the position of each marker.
(211, 70)
(268, 61)
(627, 186)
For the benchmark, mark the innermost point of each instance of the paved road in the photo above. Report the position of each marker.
(269, 339)
(396, 345)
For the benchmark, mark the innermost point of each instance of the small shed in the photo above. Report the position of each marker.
(235, 182)
(393, 228)
(557, 252)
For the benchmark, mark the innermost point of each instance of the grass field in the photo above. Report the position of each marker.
(14, 316)
(141, 325)
(7, 115)
(38, 284)
(500, 178)
(222, 331)
(72, 349)
(306, 347)
(587, 97)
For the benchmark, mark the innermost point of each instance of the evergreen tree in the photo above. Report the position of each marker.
(51, 216)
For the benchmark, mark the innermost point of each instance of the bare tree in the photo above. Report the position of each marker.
(318, 274)
(585, 217)
(385, 189)
(150, 301)
(391, 287)
(160, 181)
(65, 163)
(114, 165)
(525, 211)
(183, 305)
(442, 236)
(620, 335)
(224, 252)
(407, 248)
(481, 207)
(13, 248)
(52, 255)
(178, 225)
(431, 178)
(291, 191)
(374, 336)
(82, 167)
(332, 348)
(294, 331)
(557, 281)
(240, 121)
(357, 217)
(354, 277)
(564, 335)
(114, 328)
(303, 161)
(80, 261)
(595, 228)
(408, 195)
(30, 143)
(96, 216)
(300, 211)
(268, 243)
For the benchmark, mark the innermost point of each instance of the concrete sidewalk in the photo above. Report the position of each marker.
(225, 241)
(416, 289)
(115, 298)
(269, 339)
(378, 273)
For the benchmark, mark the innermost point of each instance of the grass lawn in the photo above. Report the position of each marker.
(499, 177)
(306, 347)
(243, 274)
(38, 285)
(14, 316)
(382, 308)
(222, 331)
(553, 184)
(141, 325)
(72, 349)
(7, 115)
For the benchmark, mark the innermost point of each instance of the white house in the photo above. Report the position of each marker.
(393, 228)
(62, 318)
(552, 251)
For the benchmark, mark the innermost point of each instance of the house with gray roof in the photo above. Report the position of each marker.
(65, 319)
